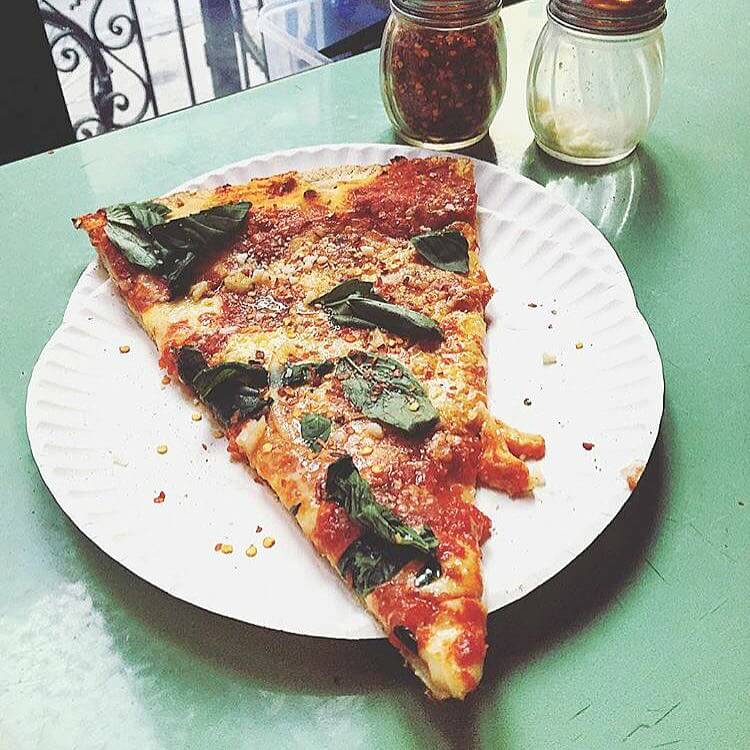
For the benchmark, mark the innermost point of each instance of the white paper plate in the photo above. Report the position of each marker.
(95, 417)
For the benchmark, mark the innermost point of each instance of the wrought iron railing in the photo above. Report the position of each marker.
(72, 45)
(121, 91)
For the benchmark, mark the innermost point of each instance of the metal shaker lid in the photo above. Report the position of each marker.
(609, 16)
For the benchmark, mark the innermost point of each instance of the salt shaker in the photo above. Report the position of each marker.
(595, 78)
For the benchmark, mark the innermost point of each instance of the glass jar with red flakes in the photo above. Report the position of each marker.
(443, 69)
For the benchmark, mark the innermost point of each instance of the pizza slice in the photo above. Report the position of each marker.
(334, 323)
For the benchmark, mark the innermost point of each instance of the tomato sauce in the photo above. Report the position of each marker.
(470, 646)
(252, 311)
(334, 530)
(269, 231)
(140, 289)
(412, 195)
(400, 604)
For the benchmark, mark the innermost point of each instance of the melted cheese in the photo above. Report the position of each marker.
(158, 319)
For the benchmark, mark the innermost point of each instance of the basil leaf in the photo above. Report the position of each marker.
(211, 378)
(148, 214)
(447, 250)
(406, 637)
(431, 572)
(142, 215)
(383, 389)
(228, 388)
(126, 228)
(343, 316)
(248, 402)
(302, 373)
(186, 238)
(179, 274)
(189, 363)
(395, 318)
(344, 290)
(202, 230)
(346, 487)
(370, 562)
(337, 303)
(170, 248)
(353, 303)
(136, 245)
(315, 430)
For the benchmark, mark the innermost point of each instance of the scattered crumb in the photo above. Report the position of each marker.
(217, 433)
(124, 349)
(160, 498)
(533, 304)
(217, 547)
(268, 542)
(161, 449)
(166, 380)
(632, 474)
(549, 359)
(537, 478)
(527, 402)
(199, 290)
(587, 446)
(251, 551)
(197, 416)
(226, 549)
(258, 529)
(579, 344)
(554, 312)
(204, 446)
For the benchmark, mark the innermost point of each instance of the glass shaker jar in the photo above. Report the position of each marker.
(595, 78)
(442, 70)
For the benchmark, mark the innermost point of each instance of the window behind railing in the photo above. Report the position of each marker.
(123, 61)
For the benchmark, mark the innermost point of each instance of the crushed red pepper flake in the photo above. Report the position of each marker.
(160, 497)
(587, 446)
(445, 83)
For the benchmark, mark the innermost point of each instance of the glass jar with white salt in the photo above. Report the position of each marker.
(595, 78)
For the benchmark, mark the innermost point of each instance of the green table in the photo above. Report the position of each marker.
(642, 642)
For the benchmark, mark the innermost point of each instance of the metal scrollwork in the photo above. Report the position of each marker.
(72, 43)
(65, 56)
(121, 26)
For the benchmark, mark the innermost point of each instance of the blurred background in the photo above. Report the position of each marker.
(123, 61)
(75, 69)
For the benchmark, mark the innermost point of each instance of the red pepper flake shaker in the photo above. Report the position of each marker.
(443, 70)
